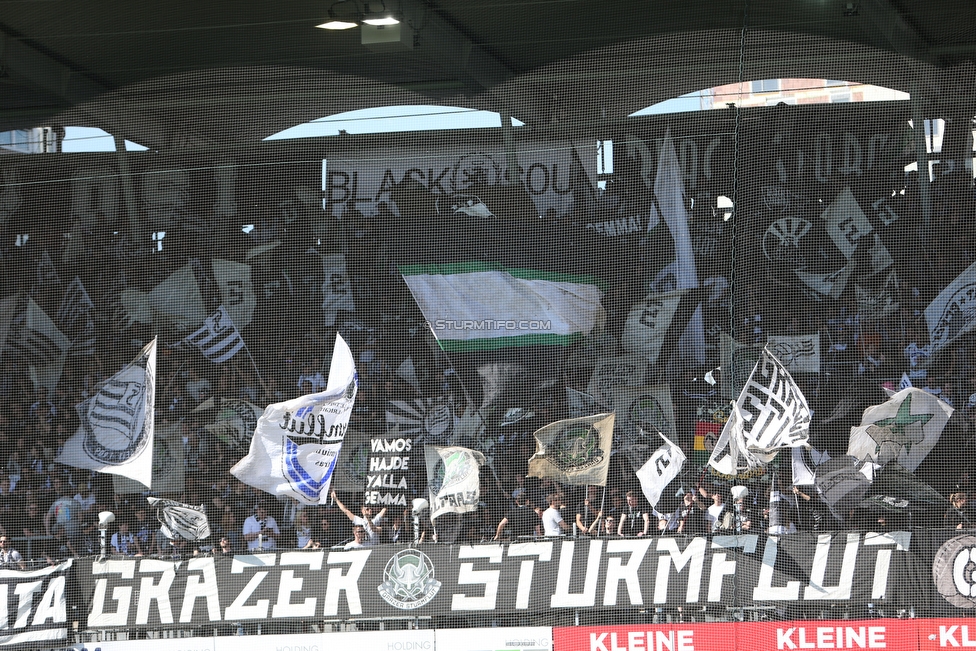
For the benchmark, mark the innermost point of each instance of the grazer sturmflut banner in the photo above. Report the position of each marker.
(899, 569)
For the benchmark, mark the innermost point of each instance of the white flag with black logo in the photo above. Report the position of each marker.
(76, 319)
(116, 431)
(218, 339)
(774, 411)
(296, 444)
(648, 323)
(798, 353)
(731, 454)
(180, 520)
(659, 470)
(952, 313)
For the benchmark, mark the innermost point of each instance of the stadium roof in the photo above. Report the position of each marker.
(181, 73)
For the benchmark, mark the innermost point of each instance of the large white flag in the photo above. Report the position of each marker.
(659, 470)
(774, 411)
(951, 314)
(218, 338)
(669, 190)
(180, 520)
(903, 429)
(648, 323)
(296, 444)
(116, 431)
(731, 454)
(168, 469)
(453, 479)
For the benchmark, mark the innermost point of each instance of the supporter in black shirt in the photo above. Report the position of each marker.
(522, 520)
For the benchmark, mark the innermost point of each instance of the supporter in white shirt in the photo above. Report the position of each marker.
(552, 520)
(371, 524)
(260, 530)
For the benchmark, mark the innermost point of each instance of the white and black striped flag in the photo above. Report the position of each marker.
(180, 520)
(34, 338)
(76, 318)
(218, 339)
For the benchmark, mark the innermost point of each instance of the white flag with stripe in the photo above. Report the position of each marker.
(180, 520)
(218, 339)
(296, 444)
(116, 431)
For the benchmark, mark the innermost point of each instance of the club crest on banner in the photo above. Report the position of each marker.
(115, 428)
(452, 471)
(576, 447)
(475, 169)
(408, 580)
(648, 414)
(952, 571)
(781, 242)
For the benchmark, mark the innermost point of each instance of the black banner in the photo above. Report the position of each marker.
(892, 568)
(33, 605)
(389, 466)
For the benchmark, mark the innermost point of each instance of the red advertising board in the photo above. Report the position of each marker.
(898, 634)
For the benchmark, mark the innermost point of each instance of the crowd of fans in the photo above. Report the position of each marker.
(51, 511)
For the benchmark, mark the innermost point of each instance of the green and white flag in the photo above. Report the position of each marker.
(479, 306)
(574, 451)
(903, 429)
(453, 479)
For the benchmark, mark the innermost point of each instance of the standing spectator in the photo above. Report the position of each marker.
(692, 516)
(370, 523)
(742, 515)
(959, 515)
(9, 557)
(303, 529)
(609, 528)
(260, 530)
(552, 520)
(225, 548)
(589, 513)
(359, 539)
(522, 520)
(718, 515)
(125, 542)
(64, 517)
(635, 521)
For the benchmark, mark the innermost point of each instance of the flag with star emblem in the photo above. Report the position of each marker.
(903, 429)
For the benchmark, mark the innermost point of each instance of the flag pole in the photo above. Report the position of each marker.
(256, 370)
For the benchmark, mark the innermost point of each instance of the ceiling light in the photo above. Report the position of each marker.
(381, 20)
(337, 24)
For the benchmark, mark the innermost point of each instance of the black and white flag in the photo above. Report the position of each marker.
(34, 338)
(180, 520)
(76, 318)
(774, 411)
(951, 314)
(798, 353)
(218, 339)
(116, 431)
